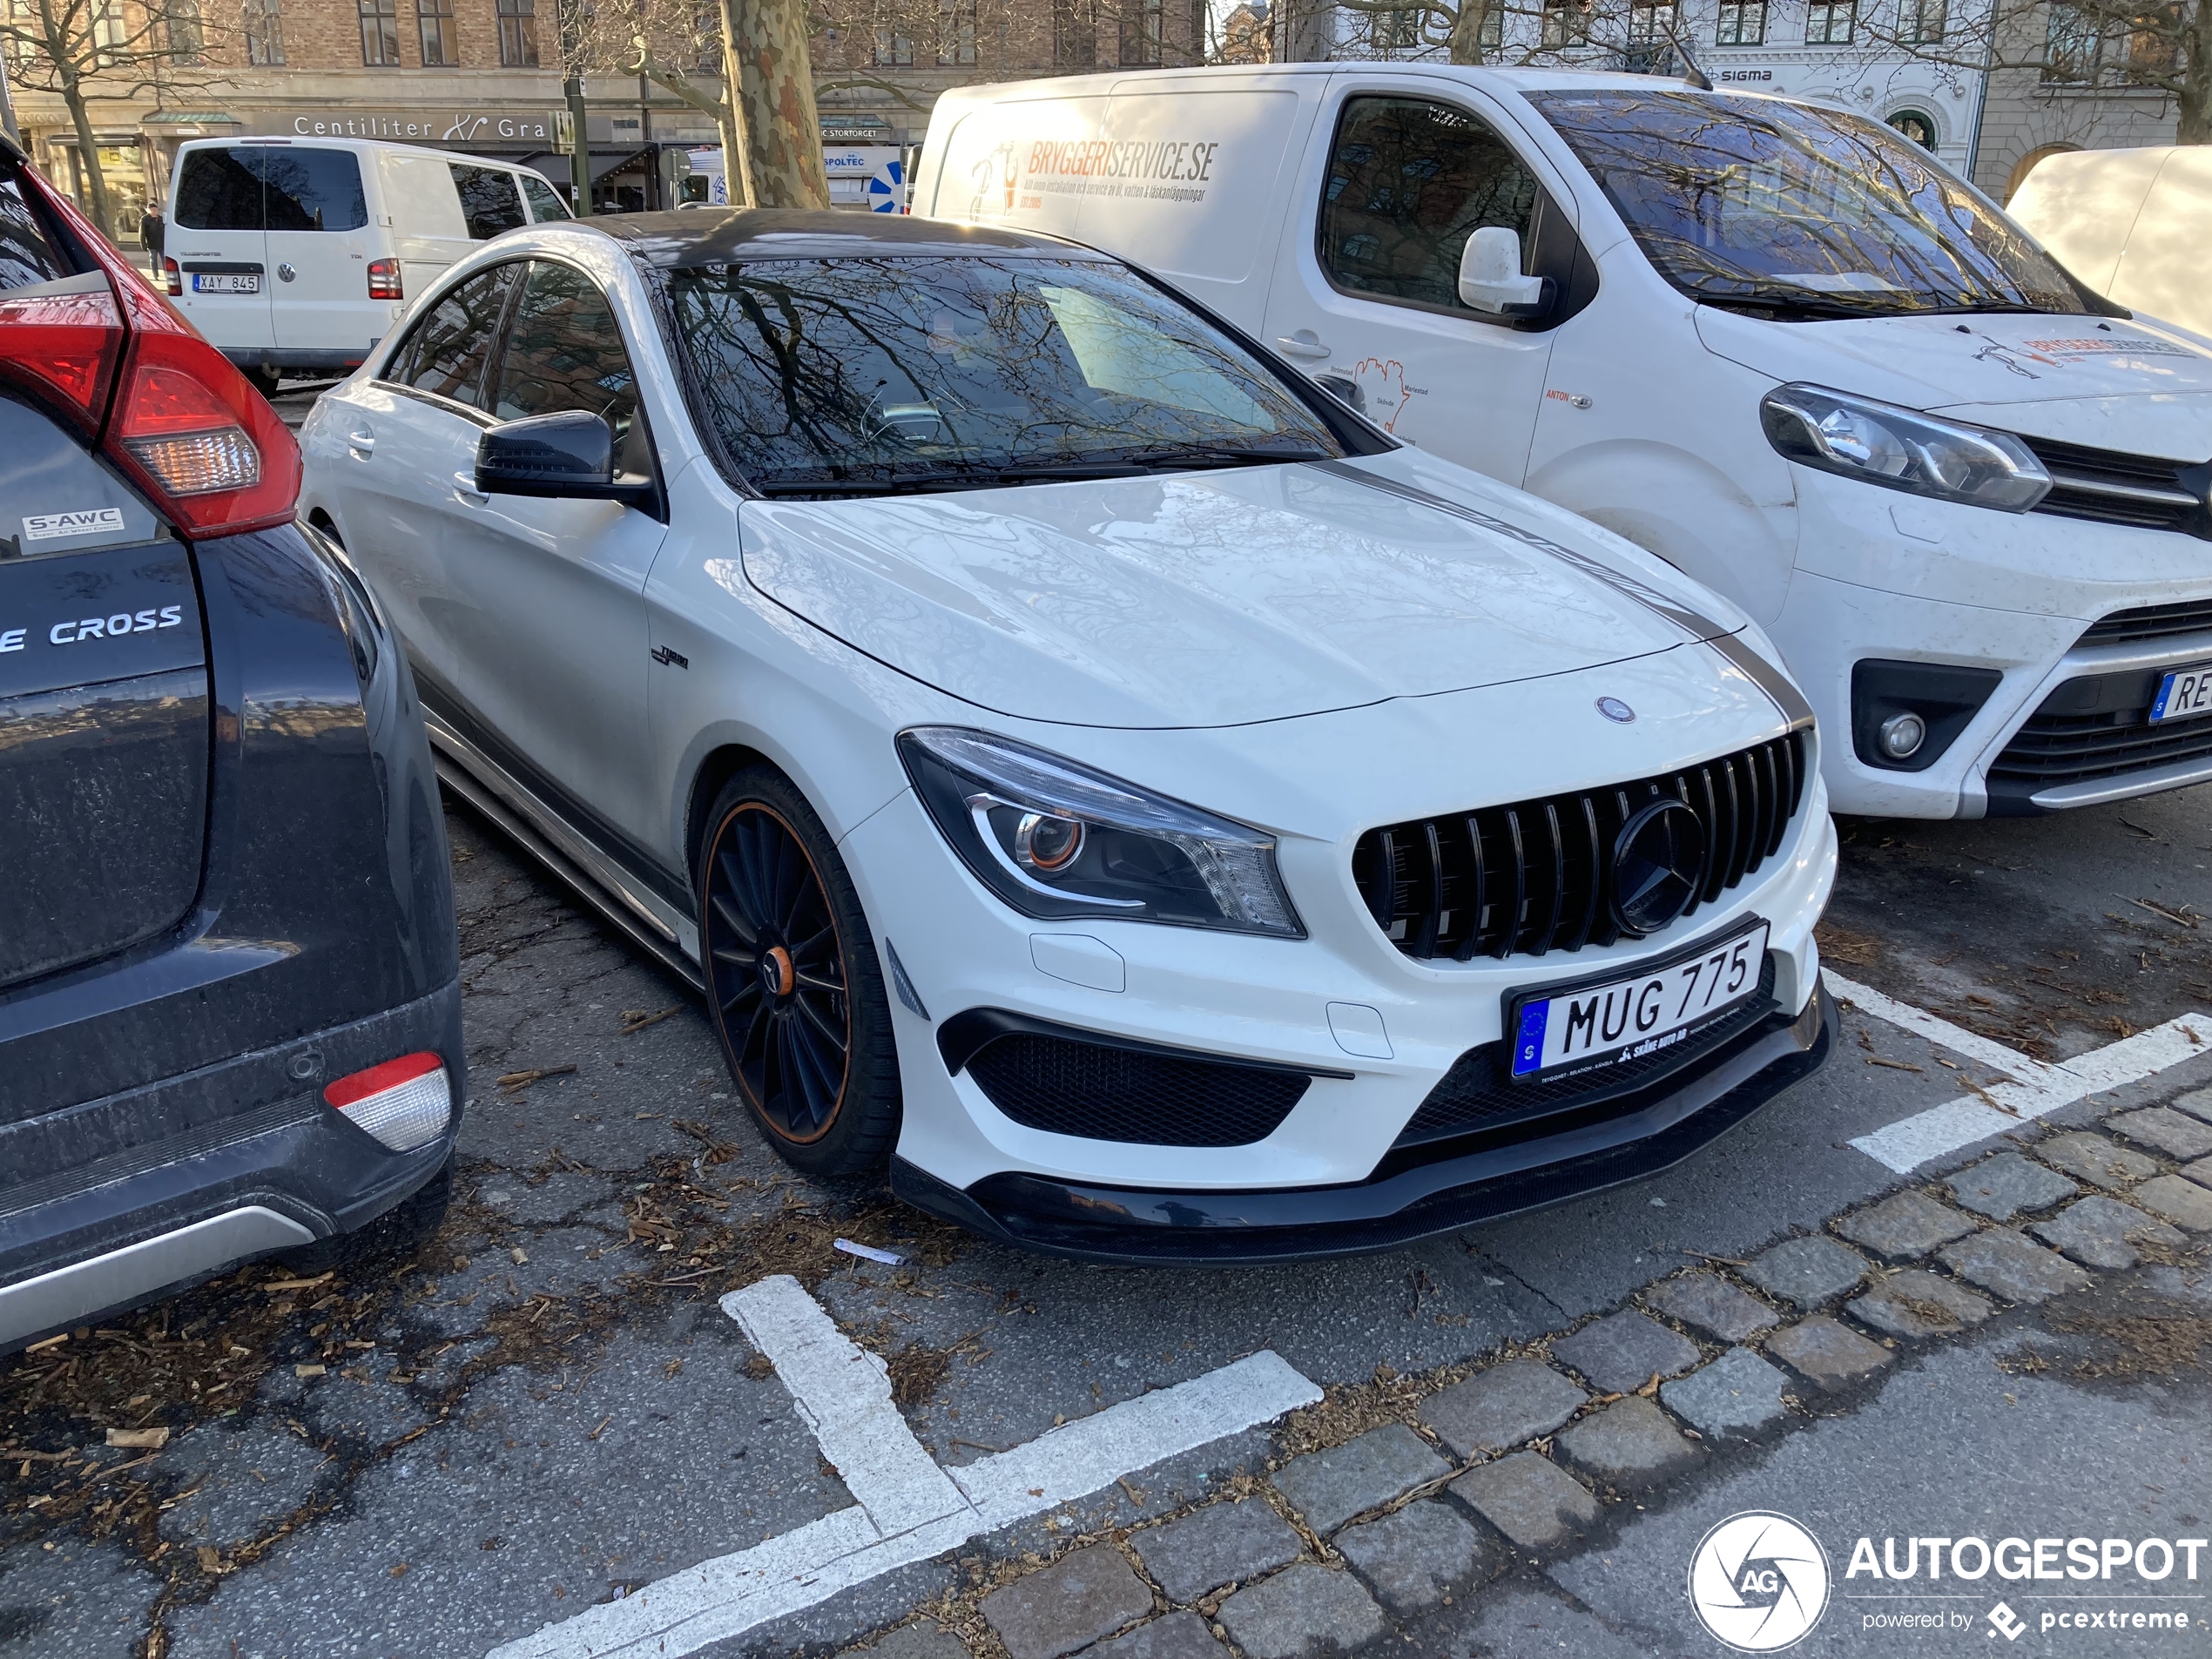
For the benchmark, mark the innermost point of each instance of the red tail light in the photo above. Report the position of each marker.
(64, 346)
(384, 279)
(404, 1102)
(172, 278)
(183, 422)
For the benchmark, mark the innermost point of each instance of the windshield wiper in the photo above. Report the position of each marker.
(1134, 464)
(1223, 455)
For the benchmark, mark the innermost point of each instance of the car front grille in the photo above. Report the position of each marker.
(2115, 489)
(1537, 876)
(2151, 621)
(1477, 1095)
(2054, 749)
(1103, 1092)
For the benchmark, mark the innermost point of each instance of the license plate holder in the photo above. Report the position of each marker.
(2184, 694)
(1557, 1029)
(225, 282)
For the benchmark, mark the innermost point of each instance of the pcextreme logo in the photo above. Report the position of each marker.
(1758, 1581)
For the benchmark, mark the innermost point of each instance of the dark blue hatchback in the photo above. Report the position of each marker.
(230, 1010)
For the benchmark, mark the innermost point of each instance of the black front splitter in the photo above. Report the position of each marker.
(1121, 1224)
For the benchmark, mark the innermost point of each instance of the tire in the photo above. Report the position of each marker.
(265, 380)
(398, 1230)
(794, 988)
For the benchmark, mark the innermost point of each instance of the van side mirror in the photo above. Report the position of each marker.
(1490, 278)
(568, 456)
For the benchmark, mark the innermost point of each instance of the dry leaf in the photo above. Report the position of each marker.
(145, 1440)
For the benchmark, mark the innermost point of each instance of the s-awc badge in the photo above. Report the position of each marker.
(47, 527)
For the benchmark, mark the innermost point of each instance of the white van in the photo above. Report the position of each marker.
(2135, 224)
(295, 257)
(1773, 342)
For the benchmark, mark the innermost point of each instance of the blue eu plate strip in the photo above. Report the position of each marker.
(1529, 1041)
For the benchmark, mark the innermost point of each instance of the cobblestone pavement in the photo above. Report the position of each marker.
(1526, 1428)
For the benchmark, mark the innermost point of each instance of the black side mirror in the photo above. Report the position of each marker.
(569, 457)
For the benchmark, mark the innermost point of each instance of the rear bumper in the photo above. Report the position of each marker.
(115, 1201)
(1201, 1228)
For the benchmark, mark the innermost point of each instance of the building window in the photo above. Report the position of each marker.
(1074, 35)
(1829, 23)
(264, 32)
(110, 35)
(2070, 46)
(440, 46)
(1918, 125)
(187, 38)
(1922, 22)
(956, 33)
(1651, 23)
(1493, 30)
(1743, 23)
(894, 48)
(2154, 43)
(1140, 34)
(1394, 31)
(380, 33)
(518, 34)
(1567, 23)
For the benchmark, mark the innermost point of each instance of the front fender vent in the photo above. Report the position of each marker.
(1536, 876)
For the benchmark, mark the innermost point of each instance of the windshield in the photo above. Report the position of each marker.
(1802, 209)
(860, 373)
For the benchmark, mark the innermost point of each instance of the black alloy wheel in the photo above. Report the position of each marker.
(793, 988)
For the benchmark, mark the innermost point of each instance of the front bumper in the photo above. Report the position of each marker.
(1889, 577)
(1462, 1188)
(115, 1201)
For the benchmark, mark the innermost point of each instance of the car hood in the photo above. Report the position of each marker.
(1220, 597)
(2141, 387)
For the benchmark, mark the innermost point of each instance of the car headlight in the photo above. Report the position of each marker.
(1053, 837)
(1902, 450)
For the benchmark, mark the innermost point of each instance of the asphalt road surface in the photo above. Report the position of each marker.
(545, 1413)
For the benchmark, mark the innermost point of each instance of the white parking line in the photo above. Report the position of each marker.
(2036, 1089)
(907, 1509)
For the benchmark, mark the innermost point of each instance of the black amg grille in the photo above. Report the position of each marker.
(2053, 749)
(1535, 876)
(1104, 1093)
(2115, 489)
(1476, 1094)
(2151, 621)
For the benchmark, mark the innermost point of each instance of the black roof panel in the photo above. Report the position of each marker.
(718, 235)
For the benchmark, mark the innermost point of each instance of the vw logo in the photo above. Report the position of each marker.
(1758, 1582)
(285, 272)
(1616, 711)
(1658, 858)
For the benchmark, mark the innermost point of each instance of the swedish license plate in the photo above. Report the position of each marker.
(2182, 694)
(1637, 1015)
(225, 282)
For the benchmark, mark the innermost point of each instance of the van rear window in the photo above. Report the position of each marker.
(273, 187)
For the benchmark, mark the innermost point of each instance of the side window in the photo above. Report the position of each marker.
(1409, 181)
(219, 190)
(311, 190)
(545, 201)
(452, 344)
(564, 351)
(488, 200)
(26, 256)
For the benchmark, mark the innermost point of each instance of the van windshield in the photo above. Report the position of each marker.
(1802, 211)
(869, 374)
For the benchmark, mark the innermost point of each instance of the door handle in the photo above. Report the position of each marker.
(465, 485)
(1301, 344)
(363, 444)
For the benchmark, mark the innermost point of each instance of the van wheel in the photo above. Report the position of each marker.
(794, 986)
(265, 379)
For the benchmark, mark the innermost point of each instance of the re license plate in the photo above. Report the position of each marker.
(1637, 1015)
(225, 282)
(2184, 694)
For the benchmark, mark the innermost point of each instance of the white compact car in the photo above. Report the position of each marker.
(296, 257)
(1777, 344)
(1079, 758)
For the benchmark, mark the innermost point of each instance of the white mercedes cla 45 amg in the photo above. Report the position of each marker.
(1079, 761)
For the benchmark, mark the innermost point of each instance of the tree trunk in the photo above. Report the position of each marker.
(2195, 124)
(1466, 30)
(88, 153)
(772, 93)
